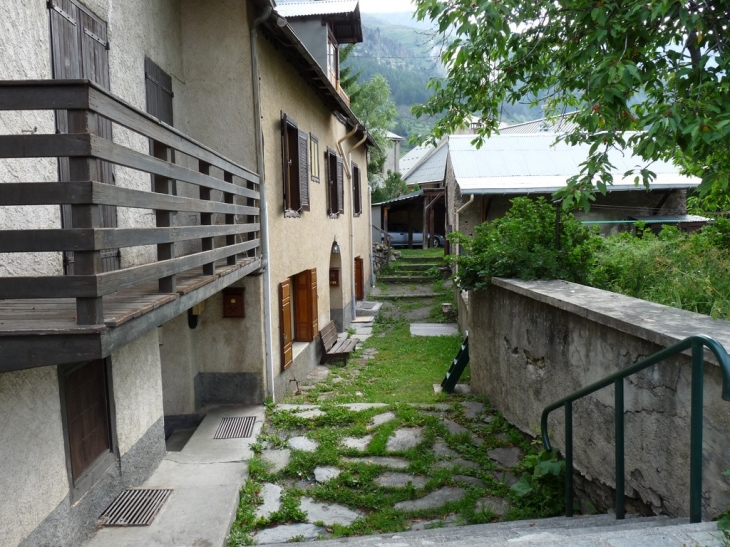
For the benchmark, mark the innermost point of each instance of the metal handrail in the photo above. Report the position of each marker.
(696, 343)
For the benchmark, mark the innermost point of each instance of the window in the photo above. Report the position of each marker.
(158, 87)
(356, 192)
(298, 312)
(314, 156)
(295, 167)
(333, 61)
(86, 414)
(335, 194)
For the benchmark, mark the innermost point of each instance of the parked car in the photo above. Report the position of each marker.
(399, 237)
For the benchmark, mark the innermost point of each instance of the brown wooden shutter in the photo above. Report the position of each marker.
(287, 355)
(314, 302)
(331, 170)
(340, 188)
(285, 161)
(80, 50)
(304, 170)
(158, 87)
(87, 415)
(359, 279)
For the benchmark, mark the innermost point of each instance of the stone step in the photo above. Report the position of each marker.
(405, 278)
(421, 260)
(592, 531)
(414, 267)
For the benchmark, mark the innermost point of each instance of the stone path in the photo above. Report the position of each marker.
(434, 329)
(462, 438)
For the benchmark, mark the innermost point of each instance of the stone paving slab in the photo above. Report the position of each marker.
(380, 419)
(471, 481)
(404, 439)
(454, 428)
(287, 532)
(472, 409)
(400, 480)
(385, 461)
(357, 443)
(278, 458)
(442, 450)
(271, 494)
(433, 500)
(311, 414)
(505, 477)
(326, 473)
(363, 330)
(456, 462)
(328, 513)
(434, 329)
(303, 443)
(459, 389)
(498, 506)
(357, 407)
(506, 457)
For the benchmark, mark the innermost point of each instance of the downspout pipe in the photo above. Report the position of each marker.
(352, 222)
(264, 213)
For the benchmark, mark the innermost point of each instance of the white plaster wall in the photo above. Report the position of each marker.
(179, 366)
(33, 476)
(137, 382)
(298, 244)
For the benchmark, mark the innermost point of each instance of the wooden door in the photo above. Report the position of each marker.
(359, 279)
(285, 324)
(87, 415)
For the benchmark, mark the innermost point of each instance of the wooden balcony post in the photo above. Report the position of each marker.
(206, 219)
(230, 219)
(164, 219)
(89, 310)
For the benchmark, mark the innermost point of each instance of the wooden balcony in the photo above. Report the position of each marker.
(47, 320)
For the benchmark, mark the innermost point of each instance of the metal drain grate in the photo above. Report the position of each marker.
(135, 507)
(235, 428)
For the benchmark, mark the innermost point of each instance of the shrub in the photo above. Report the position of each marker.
(522, 245)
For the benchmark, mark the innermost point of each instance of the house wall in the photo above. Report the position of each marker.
(313, 34)
(297, 244)
(531, 343)
(37, 506)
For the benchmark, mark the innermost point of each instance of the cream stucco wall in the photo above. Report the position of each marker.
(137, 382)
(298, 244)
(33, 480)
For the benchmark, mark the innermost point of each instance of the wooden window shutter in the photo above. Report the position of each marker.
(340, 188)
(314, 302)
(331, 165)
(158, 87)
(359, 279)
(285, 161)
(304, 170)
(285, 324)
(80, 50)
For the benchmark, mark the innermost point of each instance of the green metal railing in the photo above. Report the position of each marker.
(697, 343)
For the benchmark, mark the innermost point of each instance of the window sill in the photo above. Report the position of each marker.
(288, 213)
(334, 216)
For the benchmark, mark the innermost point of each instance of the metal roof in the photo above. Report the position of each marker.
(562, 124)
(519, 164)
(320, 7)
(404, 197)
(392, 136)
(432, 169)
(408, 161)
(673, 219)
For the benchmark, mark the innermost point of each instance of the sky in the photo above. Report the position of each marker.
(385, 6)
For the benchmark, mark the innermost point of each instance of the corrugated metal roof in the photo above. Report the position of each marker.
(561, 125)
(392, 136)
(320, 7)
(404, 197)
(521, 164)
(433, 168)
(413, 157)
(673, 219)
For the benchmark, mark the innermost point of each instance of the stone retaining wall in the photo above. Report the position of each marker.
(532, 343)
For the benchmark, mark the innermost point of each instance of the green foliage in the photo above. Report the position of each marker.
(541, 485)
(372, 105)
(522, 245)
(688, 271)
(392, 187)
(651, 76)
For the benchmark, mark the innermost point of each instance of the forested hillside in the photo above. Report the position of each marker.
(404, 52)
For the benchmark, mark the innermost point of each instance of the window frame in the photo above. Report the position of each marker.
(356, 190)
(314, 157)
(294, 167)
(333, 55)
(335, 184)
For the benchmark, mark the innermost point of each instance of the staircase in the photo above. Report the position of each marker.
(591, 531)
(411, 270)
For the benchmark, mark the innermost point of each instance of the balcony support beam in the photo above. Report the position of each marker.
(164, 219)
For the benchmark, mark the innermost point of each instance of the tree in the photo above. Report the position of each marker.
(392, 187)
(372, 105)
(651, 75)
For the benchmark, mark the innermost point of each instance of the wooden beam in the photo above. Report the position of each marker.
(29, 96)
(80, 192)
(44, 146)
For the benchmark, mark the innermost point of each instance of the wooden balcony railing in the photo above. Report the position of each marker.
(222, 197)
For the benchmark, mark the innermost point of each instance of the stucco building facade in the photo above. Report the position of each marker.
(192, 162)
